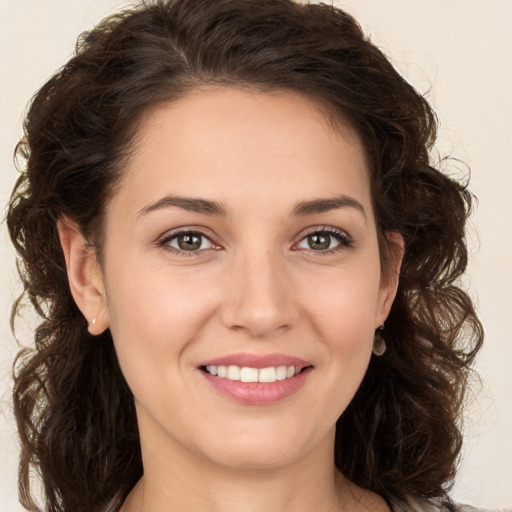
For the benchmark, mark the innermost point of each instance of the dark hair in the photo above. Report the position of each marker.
(400, 435)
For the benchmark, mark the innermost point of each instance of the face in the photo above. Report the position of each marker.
(242, 240)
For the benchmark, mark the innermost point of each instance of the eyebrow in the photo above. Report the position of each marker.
(326, 204)
(208, 207)
(191, 204)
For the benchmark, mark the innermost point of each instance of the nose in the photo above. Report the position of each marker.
(259, 298)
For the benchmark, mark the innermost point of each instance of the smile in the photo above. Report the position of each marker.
(260, 384)
(248, 374)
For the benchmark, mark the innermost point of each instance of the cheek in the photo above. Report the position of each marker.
(343, 303)
(154, 315)
(154, 300)
(342, 316)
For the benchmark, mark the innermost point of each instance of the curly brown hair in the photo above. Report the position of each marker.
(400, 435)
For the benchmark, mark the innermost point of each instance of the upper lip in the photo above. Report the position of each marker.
(257, 360)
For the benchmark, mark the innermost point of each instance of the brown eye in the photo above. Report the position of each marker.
(325, 241)
(319, 241)
(189, 241)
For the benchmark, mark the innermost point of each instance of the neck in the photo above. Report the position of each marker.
(185, 481)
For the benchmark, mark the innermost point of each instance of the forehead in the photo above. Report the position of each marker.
(213, 110)
(230, 143)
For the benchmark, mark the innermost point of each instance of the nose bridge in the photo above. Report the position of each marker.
(259, 294)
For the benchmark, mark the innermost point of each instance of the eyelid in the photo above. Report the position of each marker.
(346, 241)
(164, 240)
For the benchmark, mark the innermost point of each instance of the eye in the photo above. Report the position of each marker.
(325, 241)
(187, 241)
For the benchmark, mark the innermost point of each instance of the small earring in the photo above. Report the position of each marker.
(379, 345)
(93, 321)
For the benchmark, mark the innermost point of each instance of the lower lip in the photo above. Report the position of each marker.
(257, 393)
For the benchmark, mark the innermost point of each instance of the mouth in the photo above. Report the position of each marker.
(256, 379)
(250, 374)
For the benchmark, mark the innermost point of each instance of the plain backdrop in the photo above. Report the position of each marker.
(457, 52)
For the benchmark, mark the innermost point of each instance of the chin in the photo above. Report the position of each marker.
(253, 452)
(252, 459)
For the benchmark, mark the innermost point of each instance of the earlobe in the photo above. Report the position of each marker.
(84, 275)
(390, 278)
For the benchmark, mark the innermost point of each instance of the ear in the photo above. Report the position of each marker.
(84, 276)
(390, 276)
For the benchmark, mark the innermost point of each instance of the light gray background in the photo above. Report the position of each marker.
(459, 52)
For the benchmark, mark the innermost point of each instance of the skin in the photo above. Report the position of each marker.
(255, 285)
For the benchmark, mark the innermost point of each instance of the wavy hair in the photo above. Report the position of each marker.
(400, 436)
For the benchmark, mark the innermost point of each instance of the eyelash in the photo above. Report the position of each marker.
(345, 241)
(166, 239)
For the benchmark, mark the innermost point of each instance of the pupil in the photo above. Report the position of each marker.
(189, 242)
(319, 241)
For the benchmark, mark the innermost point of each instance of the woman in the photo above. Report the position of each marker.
(245, 263)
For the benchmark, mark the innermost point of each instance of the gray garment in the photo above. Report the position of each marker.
(423, 506)
(468, 508)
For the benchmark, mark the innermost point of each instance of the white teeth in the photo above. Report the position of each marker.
(233, 372)
(247, 374)
(281, 373)
(267, 375)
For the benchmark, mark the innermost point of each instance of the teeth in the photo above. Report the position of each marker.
(249, 374)
(246, 374)
(233, 372)
(267, 375)
(281, 372)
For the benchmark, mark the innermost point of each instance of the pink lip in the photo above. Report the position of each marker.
(257, 393)
(257, 360)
